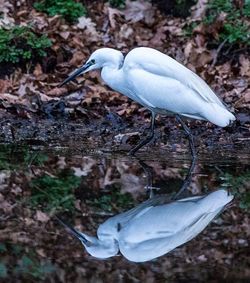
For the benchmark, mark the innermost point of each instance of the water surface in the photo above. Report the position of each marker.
(85, 188)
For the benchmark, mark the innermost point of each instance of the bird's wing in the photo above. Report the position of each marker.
(167, 220)
(149, 249)
(114, 224)
(157, 63)
(165, 94)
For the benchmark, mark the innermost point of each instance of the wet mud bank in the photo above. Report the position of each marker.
(111, 133)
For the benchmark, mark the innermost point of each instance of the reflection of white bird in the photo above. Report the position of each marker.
(159, 83)
(154, 227)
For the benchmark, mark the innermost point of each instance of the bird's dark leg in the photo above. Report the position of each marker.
(149, 175)
(194, 156)
(147, 139)
(187, 180)
(189, 135)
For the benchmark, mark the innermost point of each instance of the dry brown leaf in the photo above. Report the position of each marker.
(89, 27)
(57, 91)
(159, 37)
(199, 9)
(77, 59)
(22, 90)
(245, 66)
(61, 163)
(247, 96)
(136, 11)
(112, 12)
(38, 70)
(4, 85)
(7, 206)
(5, 19)
(41, 216)
(64, 34)
(197, 56)
(125, 31)
(11, 99)
(39, 21)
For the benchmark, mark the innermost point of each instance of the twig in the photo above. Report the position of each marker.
(217, 53)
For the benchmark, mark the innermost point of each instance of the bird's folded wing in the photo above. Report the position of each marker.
(160, 64)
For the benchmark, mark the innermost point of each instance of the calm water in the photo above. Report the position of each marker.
(88, 189)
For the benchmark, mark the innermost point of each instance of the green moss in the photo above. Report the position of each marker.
(22, 44)
(69, 9)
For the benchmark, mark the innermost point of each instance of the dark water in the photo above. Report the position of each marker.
(86, 188)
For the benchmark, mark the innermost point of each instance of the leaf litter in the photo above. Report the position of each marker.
(35, 110)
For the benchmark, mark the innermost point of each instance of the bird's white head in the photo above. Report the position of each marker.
(100, 249)
(98, 59)
(95, 247)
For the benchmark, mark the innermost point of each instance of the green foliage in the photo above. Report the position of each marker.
(240, 187)
(69, 9)
(3, 248)
(30, 266)
(114, 199)
(234, 29)
(21, 44)
(12, 158)
(182, 7)
(246, 9)
(220, 5)
(3, 270)
(235, 32)
(188, 30)
(117, 3)
(55, 193)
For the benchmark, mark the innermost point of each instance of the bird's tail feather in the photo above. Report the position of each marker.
(218, 115)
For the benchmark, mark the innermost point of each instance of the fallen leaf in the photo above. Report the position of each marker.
(89, 27)
(4, 85)
(57, 91)
(245, 66)
(136, 11)
(64, 34)
(41, 216)
(112, 12)
(77, 59)
(199, 10)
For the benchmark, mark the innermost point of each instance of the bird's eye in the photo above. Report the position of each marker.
(92, 61)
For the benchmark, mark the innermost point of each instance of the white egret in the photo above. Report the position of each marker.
(160, 84)
(153, 228)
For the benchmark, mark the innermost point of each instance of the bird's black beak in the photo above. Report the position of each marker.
(76, 73)
(74, 232)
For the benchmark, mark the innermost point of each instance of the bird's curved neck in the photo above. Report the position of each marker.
(113, 77)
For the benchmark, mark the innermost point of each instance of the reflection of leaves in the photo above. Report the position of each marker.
(114, 200)
(3, 270)
(54, 192)
(31, 266)
(2, 248)
(11, 158)
(240, 186)
(28, 265)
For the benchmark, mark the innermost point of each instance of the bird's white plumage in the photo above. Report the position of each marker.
(156, 226)
(159, 83)
(165, 86)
